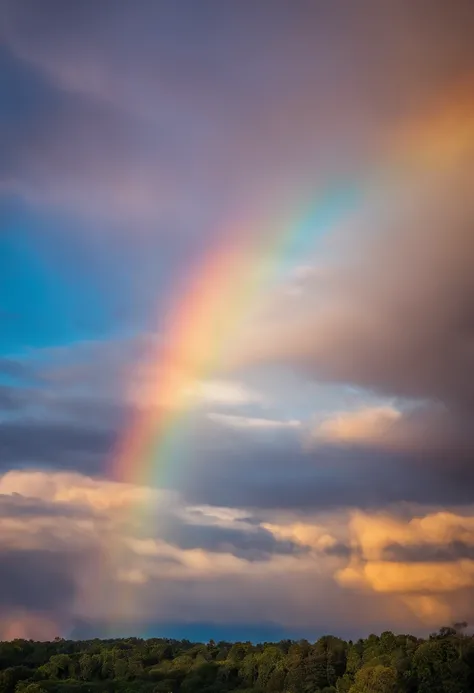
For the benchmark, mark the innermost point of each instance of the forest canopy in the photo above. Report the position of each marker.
(389, 663)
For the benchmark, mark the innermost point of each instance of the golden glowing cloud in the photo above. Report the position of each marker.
(373, 533)
(422, 585)
(393, 577)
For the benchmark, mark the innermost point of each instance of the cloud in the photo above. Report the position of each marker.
(144, 391)
(413, 577)
(422, 561)
(14, 368)
(249, 422)
(244, 460)
(222, 392)
(373, 533)
(37, 498)
(72, 489)
(231, 564)
(9, 399)
(45, 550)
(456, 550)
(29, 442)
(286, 476)
(17, 505)
(255, 543)
(365, 425)
(407, 338)
(171, 559)
(306, 534)
(259, 144)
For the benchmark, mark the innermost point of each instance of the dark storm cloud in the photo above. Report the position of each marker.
(333, 476)
(259, 92)
(255, 544)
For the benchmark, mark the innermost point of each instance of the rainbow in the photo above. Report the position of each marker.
(234, 280)
(218, 299)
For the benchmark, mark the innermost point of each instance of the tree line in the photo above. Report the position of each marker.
(389, 663)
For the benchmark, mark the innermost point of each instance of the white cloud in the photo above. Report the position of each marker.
(248, 422)
(208, 514)
(223, 392)
(144, 391)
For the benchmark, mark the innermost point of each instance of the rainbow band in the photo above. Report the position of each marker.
(218, 299)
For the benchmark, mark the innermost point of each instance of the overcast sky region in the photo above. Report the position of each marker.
(236, 317)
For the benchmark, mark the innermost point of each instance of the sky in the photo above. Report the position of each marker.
(236, 318)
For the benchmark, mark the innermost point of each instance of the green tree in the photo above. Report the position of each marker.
(11, 676)
(375, 679)
(29, 687)
(440, 667)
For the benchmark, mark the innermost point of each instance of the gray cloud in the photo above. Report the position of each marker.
(14, 368)
(332, 478)
(54, 444)
(18, 506)
(339, 550)
(252, 544)
(402, 296)
(9, 399)
(239, 88)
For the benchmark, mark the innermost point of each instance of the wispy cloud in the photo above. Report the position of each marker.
(251, 422)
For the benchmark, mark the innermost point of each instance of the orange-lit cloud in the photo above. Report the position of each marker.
(423, 585)
(442, 133)
(370, 425)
